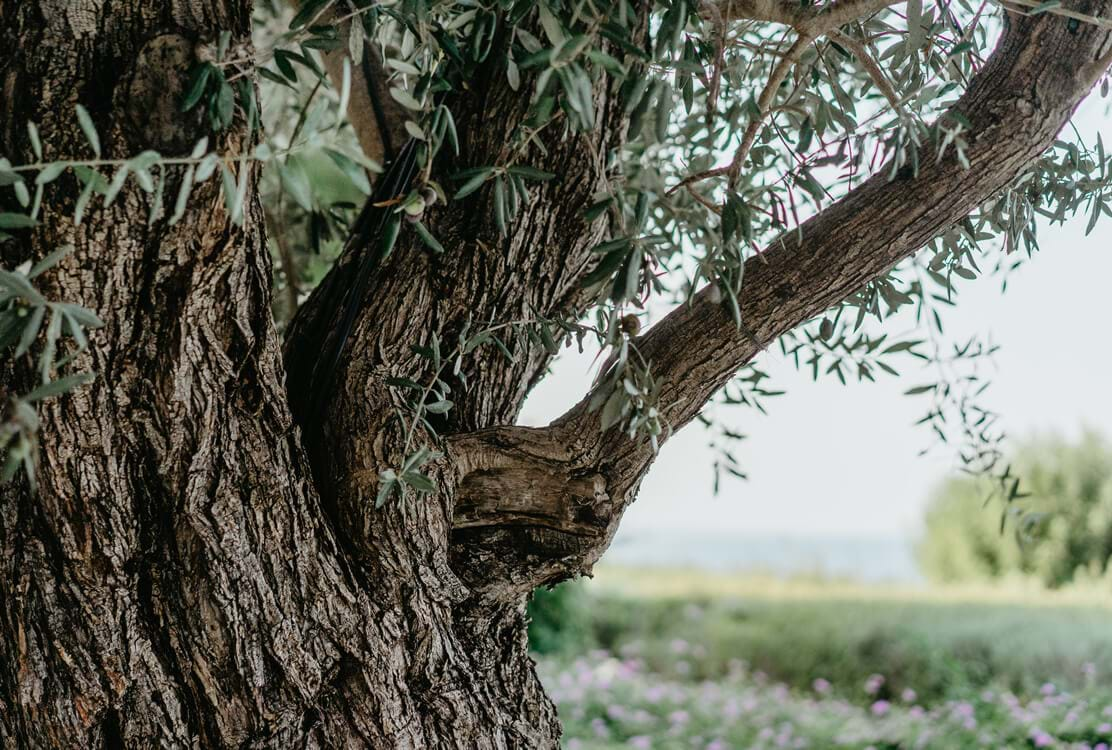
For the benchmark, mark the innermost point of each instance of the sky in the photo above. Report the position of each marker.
(843, 461)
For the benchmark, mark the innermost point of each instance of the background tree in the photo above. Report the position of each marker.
(231, 539)
(1065, 530)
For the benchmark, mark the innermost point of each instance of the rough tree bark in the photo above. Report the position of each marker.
(197, 571)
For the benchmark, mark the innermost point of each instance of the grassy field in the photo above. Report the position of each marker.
(695, 660)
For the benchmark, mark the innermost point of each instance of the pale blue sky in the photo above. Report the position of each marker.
(843, 460)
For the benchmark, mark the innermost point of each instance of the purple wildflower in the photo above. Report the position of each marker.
(1041, 738)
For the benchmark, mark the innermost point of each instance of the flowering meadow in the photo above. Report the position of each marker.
(607, 701)
(678, 675)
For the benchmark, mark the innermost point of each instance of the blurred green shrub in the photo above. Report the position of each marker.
(1063, 534)
(935, 649)
(560, 620)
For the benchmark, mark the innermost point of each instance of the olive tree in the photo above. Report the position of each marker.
(265, 488)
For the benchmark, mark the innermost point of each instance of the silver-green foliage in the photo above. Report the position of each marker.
(739, 130)
(51, 333)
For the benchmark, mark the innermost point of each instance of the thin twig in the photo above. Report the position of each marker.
(764, 102)
(707, 202)
(706, 174)
(880, 80)
(715, 84)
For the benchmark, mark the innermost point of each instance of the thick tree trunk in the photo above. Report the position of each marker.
(175, 581)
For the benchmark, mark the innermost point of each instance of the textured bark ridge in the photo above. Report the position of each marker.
(176, 583)
(198, 571)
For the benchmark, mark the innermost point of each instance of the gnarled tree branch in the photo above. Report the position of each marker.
(1038, 74)
(533, 269)
(523, 505)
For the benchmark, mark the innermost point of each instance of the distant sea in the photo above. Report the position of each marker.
(868, 559)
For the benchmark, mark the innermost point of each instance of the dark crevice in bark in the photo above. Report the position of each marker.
(110, 730)
(156, 564)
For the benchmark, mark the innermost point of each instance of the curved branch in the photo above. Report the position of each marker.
(810, 23)
(771, 11)
(1038, 74)
(819, 21)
